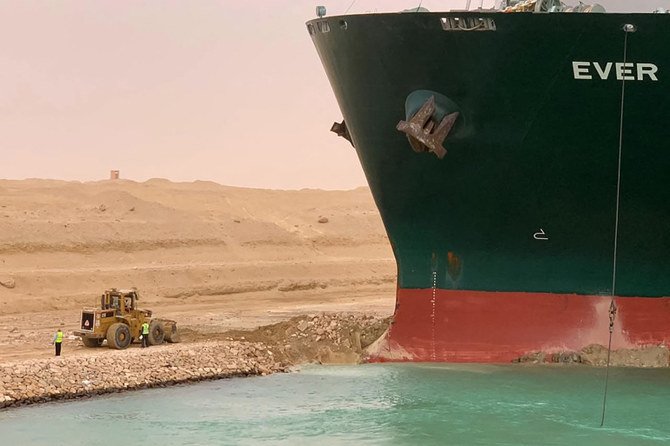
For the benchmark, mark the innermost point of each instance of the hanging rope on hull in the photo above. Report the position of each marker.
(609, 353)
(627, 29)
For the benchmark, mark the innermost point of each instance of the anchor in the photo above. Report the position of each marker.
(340, 129)
(423, 131)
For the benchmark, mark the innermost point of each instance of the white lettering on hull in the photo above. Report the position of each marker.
(622, 71)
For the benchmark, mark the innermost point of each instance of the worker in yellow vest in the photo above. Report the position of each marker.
(145, 334)
(58, 341)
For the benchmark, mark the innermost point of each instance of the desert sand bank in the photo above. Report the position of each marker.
(212, 257)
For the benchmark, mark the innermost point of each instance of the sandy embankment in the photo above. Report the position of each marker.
(212, 257)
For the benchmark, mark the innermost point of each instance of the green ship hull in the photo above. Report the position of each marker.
(553, 194)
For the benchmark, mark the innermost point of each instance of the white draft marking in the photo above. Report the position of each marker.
(541, 235)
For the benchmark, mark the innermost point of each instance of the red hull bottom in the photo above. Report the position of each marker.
(476, 326)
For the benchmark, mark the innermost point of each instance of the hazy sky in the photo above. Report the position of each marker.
(229, 91)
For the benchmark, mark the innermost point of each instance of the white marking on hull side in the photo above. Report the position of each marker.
(623, 71)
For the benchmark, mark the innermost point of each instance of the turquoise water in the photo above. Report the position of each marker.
(394, 404)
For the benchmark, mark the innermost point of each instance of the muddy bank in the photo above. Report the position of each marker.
(323, 338)
(656, 356)
(340, 338)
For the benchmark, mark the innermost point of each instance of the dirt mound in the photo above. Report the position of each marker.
(325, 338)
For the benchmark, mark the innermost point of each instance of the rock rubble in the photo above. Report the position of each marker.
(65, 377)
(320, 338)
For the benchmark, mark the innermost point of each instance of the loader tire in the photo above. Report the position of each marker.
(171, 334)
(118, 336)
(92, 342)
(156, 333)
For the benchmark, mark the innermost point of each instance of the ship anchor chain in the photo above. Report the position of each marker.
(423, 131)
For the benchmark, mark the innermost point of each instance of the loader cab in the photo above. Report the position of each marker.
(121, 301)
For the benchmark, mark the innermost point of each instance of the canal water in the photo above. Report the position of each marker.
(376, 404)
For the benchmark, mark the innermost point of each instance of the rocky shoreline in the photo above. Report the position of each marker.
(58, 378)
(314, 338)
(320, 338)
